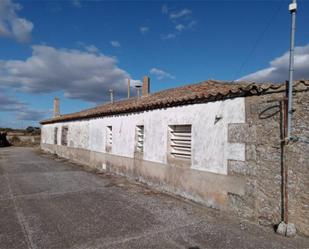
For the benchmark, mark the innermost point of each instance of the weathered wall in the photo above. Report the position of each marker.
(210, 148)
(262, 169)
(201, 186)
(236, 163)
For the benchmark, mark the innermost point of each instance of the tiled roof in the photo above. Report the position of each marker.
(206, 91)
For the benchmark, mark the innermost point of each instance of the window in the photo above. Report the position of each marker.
(64, 135)
(56, 135)
(139, 139)
(109, 138)
(180, 141)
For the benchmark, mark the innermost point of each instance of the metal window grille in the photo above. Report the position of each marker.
(180, 141)
(140, 138)
(56, 135)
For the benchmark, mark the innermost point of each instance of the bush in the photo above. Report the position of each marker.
(3, 141)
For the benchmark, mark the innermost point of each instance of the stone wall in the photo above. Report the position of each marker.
(23, 139)
(262, 170)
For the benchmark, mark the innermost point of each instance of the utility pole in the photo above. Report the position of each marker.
(285, 228)
(292, 8)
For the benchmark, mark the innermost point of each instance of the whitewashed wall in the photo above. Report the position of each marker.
(210, 147)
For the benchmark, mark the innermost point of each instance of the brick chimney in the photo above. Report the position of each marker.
(146, 86)
(56, 108)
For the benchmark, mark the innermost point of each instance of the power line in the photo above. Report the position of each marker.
(258, 40)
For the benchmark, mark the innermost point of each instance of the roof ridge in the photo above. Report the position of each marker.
(209, 90)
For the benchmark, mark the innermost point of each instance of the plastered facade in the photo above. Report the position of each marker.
(210, 147)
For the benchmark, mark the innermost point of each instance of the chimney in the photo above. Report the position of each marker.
(111, 92)
(146, 86)
(56, 107)
(129, 90)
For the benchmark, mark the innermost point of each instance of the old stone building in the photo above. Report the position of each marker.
(216, 143)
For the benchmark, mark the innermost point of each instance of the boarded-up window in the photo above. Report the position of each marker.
(109, 138)
(139, 138)
(56, 135)
(180, 141)
(64, 135)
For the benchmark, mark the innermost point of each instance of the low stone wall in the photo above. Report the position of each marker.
(207, 188)
(22, 139)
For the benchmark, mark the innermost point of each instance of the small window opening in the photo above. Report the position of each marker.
(109, 138)
(140, 138)
(180, 141)
(64, 135)
(56, 135)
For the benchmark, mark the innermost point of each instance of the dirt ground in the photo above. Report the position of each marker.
(48, 202)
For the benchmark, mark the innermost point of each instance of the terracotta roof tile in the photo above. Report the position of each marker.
(206, 91)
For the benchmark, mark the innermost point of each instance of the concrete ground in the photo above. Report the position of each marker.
(47, 202)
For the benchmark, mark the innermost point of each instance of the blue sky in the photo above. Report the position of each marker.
(77, 50)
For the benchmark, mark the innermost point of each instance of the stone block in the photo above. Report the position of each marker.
(290, 230)
(241, 133)
(236, 167)
(281, 229)
(251, 152)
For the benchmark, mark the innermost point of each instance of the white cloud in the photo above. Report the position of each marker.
(23, 112)
(182, 20)
(169, 36)
(79, 74)
(116, 44)
(180, 14)
(11, 25)
(278, 71)
(144, 29)
(31, 115)
(191, 24)
(164, 9)
(77, 3)
(89, 48)
(92, 49)
(8, 104)
(180, 27)
(160, 74)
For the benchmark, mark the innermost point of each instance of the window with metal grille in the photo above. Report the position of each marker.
(56, 135)
(140, 138)
(64, 135)
(180, 141)
(109, 138)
